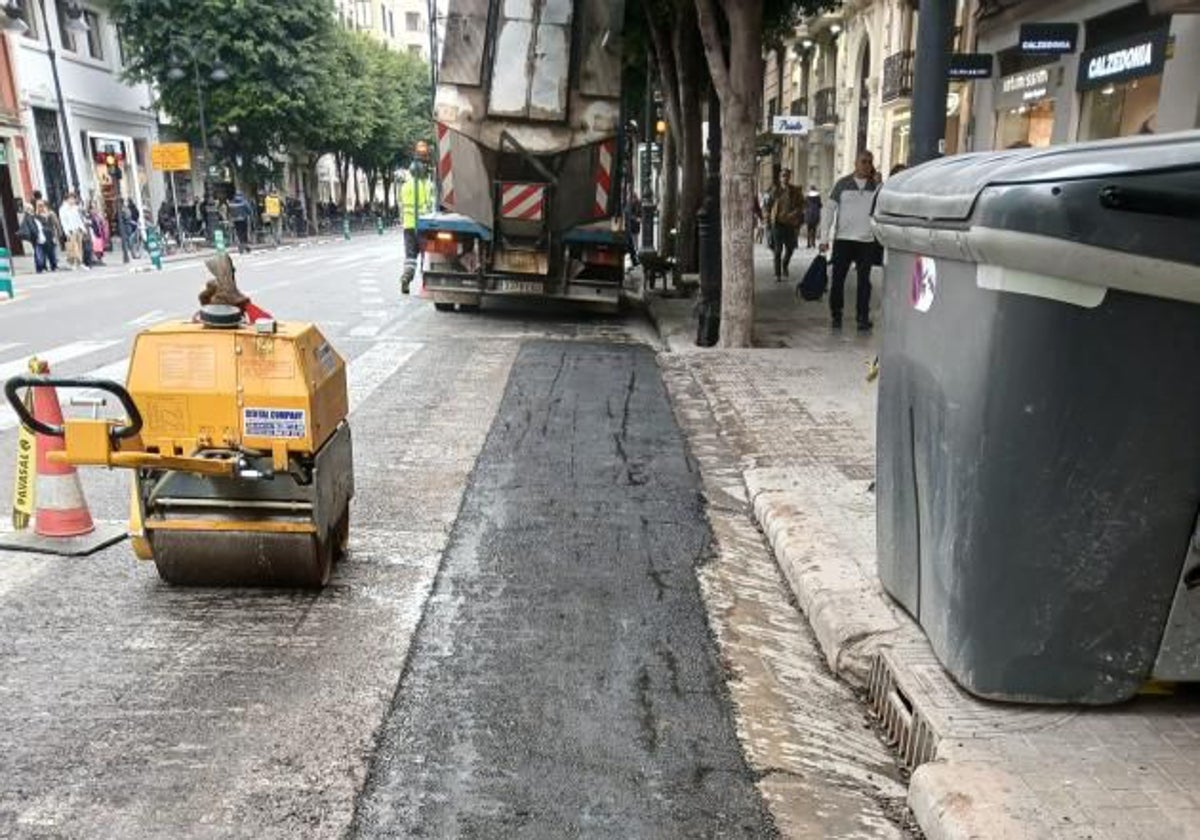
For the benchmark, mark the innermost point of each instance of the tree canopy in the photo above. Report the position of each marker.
(296, 81)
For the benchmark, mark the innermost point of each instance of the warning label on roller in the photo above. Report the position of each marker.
(275, 422)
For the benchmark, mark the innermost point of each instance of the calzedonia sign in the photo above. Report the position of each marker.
(1119, 61)
(1049, 38)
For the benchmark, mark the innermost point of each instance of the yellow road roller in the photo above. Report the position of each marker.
(239, 443)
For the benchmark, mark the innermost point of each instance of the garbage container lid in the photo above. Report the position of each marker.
(1069, 222)
(947, 189)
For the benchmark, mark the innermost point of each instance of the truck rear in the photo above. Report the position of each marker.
(528, 117)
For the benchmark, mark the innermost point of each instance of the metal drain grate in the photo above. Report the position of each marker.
(906, 731)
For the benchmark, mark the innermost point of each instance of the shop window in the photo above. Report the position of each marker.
(1025, 125)
(1122, 109)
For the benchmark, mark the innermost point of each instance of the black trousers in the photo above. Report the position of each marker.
(862, 255)
(783, 243)
(410, 256)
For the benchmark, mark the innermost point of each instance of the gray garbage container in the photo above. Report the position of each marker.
(1038, 476)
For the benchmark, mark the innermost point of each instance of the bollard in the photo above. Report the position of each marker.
(154, 248)
(346, 227)
(219, 240)
(708, 225)
(379, 224)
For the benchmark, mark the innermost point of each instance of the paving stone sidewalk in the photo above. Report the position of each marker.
(799, 413)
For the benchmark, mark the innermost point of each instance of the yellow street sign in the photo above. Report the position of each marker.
(171, 157)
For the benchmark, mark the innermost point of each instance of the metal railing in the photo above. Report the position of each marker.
(825, 112)
(898, 76)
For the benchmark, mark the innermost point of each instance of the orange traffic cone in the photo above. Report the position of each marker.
(61, 509)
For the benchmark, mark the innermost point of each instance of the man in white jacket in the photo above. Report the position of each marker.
(848, 215)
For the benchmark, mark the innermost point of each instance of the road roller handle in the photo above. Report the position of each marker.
(108, 443)
(117, 432)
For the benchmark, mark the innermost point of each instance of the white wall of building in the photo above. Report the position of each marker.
(98, 105)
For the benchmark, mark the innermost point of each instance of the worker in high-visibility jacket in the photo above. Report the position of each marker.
(416, 199)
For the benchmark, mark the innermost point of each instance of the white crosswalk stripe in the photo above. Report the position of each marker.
(12, 345)
(55, 356)
(116, 371)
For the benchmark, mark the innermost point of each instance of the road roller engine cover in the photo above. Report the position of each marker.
(238, 439)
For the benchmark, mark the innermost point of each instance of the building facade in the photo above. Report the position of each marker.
(100, 114)
(401, 24)
(1131, 72)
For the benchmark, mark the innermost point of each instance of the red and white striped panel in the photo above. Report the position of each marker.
(526, 202)
(604, 165)
(445, 167)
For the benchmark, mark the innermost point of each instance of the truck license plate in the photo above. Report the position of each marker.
(525, 287)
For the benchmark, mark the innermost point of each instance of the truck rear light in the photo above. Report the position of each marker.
(603, 256)
(442, 242)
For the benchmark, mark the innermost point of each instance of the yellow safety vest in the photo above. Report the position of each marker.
(410, 190)
(272, 205)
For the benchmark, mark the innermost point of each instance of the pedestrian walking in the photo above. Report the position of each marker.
(239, 211)
(273, 213)
(812, 214)
(100, 234)
(787, 208)
(416, 194)
(37, 229)
(71, 218)
(849, 229)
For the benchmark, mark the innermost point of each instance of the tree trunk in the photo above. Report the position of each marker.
(310, 191)
(372, 180)
(343, 171)
(739, 84)
(670, 194)
(388, 180)
(691, 132)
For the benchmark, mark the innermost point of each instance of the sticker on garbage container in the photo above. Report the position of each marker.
(924, 283)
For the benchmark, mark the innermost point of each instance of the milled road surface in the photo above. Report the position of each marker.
(563, 682)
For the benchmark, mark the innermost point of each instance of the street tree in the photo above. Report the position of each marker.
(734, 32)
(273, 54)
(674, 37)
(402, 105)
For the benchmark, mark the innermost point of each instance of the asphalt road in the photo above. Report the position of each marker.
(516, 646)
(564, 683)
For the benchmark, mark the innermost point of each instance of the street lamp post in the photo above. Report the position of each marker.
(218, 74)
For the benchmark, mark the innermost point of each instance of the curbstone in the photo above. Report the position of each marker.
(973, 801)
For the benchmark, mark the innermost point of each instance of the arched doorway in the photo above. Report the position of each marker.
(864, 97)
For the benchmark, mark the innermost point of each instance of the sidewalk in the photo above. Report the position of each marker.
(23, 266)
(800, 415)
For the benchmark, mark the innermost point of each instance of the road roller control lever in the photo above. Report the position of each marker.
(119, 432)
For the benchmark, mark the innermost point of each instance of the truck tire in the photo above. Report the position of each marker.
(444, 307)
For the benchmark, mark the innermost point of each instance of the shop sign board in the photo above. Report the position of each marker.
(971, 66)
(1049, 38)
(1023, 88)
(1118, 61)
(789, 125)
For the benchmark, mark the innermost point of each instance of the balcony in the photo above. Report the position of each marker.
(898, 76)
(825, 112)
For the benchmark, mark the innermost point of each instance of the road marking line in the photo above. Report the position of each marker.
(375, 315)
(10, 346)
(374, 367)
(56, 356)
(366, 331)
(308, 260)
(373, 300)
(150, 317)
(117, 370)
